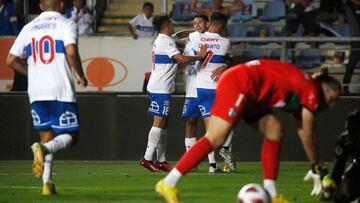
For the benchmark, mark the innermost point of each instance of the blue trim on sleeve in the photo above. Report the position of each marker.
(164, 59)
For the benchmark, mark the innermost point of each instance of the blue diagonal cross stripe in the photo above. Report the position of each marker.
(59, 47)
(163, 59)
(215, 58)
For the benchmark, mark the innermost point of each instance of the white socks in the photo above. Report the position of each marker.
(270, 187)
(189, 142)
(58, 143)
(172, 178)
(229, 139)
(211, 157)
(47, 178)
(153, 141)
(161, 148)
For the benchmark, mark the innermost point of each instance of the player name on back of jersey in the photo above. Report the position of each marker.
(43, 26)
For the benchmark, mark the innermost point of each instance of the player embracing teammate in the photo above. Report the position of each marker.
(166, 57)
(208, 72)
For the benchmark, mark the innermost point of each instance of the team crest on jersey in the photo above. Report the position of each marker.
(232, 113)
(68, 118)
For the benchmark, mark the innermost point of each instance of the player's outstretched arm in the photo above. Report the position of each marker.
(73, 57)
(182, 33)
(238, 6)
(13, 62)
(195, 8)
(185, 59)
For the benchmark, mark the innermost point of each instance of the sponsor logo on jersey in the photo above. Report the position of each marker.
(203, 39)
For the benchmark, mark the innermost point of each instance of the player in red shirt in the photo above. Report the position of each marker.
(250, 91)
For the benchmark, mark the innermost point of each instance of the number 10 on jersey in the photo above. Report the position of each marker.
(45, 45)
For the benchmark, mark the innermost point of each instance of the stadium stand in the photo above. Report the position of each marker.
(273, 11)
(308, 58)
(236, 30)
(181, 11)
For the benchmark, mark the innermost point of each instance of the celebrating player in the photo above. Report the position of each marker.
(210, 70)
(49, 42)
(191, 110)
(161, 84)
(250, 91)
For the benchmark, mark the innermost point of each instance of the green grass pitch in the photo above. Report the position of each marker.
(126, 181)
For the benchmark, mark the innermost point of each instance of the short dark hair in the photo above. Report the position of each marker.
(218, 17)
(332, 82)
(204, 17)
(148, 4)
(322, 76)
(160, 21)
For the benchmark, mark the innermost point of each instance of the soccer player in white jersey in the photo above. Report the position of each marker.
(210, 70)
(191, 110)
(49, 42)
(161, 85)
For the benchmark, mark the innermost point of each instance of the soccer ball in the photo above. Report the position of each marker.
(253, 193)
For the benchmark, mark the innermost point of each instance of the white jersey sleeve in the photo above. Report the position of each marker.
(70, 33)
(134, 21)
(190, 73)
(18, 47)
(162, 79)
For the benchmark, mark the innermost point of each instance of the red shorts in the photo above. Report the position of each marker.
(230, 100)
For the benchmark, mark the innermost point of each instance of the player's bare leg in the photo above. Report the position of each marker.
(271, 127)
(215, 136)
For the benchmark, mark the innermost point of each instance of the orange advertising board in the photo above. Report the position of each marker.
(6, 74)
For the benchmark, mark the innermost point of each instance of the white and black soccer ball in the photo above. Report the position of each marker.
(253, 193)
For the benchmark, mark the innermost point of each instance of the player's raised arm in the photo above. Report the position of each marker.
(73, 57)
(236, 7)
(195, 8)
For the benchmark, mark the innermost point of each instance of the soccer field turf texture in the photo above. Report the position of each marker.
(126, 181)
